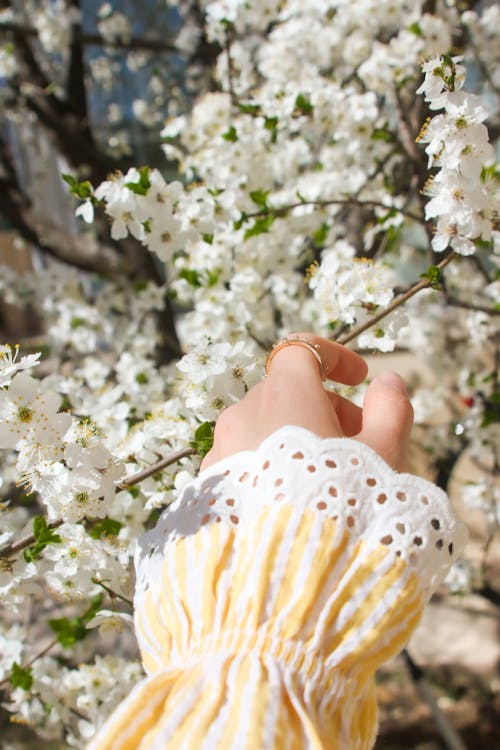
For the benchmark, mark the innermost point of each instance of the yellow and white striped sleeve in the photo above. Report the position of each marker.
(271, 591)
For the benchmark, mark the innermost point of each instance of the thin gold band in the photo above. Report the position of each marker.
(313, 348)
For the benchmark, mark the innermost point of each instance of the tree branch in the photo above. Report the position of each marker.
(283, 210)
(450, 738)
(400, 300)
(154, 468)
(27, 541)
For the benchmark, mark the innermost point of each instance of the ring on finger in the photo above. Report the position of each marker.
(315, 350)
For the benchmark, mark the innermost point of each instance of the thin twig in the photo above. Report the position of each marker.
(449, 736)
(34, 659)
(113, 594)
(337, 202)
(227, 51)
(26, 541)
(154, 468)
(455, 302)
(422, 284)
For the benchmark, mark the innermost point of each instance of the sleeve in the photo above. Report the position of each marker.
(271, 591)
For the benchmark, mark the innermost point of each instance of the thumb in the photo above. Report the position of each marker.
(388, 419)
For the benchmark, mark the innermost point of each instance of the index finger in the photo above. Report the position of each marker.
(340, 364)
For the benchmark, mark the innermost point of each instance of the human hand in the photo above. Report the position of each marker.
(293, 394)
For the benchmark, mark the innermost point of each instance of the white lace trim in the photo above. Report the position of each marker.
(339, 478)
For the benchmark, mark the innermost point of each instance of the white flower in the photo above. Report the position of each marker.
(110, 622)
(27, 412)
(11, 648)
(440, 79)
(122, 205)
(205, 360)
(86, 211)
(9, 364)
(384, 335)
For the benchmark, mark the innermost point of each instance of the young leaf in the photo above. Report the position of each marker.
(433, 275)
(259, 197)
(105, 527)
(43, 536)
(249, 109)
(82, 190)
(303, 105)
(20, 677)
(260, 226)
(271, 124)
(70, 630)
(230, 135)
(239, 222)
(203, 438)
(191, 276)
(142, 186)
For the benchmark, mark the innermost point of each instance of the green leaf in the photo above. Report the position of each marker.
(242, 220)
(490, 172)
(82, 190)
(433, 275)
(43, 536)
(260, 226)
(271, 124)
(249, 109)
(191, 276)
(105, 527)
(303, 105)
(203, 438)
(379, 134)
(212, 278)
(70, 630)
(259, 197)
(208, 238)
(230, 135)
(321, 234)
(141, 187)
(76, 323)
(415, 29)
(21, 678)
(491, 413)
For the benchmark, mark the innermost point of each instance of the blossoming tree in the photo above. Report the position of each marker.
(334, 173)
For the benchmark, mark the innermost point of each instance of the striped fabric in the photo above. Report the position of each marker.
(265, 601)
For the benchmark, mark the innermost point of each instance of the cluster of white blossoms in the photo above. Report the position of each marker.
(113, 24)
(53, 23)
(464, 194)
(60, 457)
(297, 205)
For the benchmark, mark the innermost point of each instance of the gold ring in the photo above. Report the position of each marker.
(315, 349)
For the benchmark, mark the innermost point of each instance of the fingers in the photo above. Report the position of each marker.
(348, 414)
(388, 419)
(341, 364)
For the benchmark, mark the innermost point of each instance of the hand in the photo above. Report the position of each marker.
(293, 394)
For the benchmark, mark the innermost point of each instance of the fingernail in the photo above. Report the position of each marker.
(393, 380)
